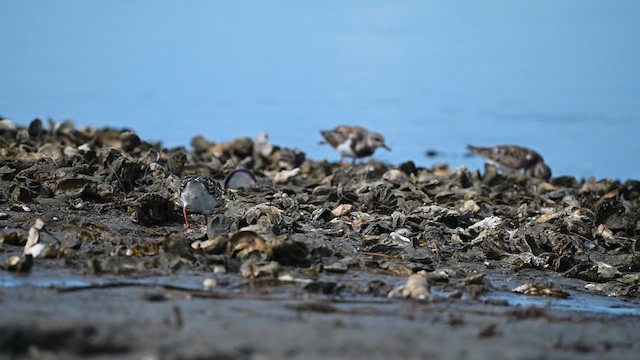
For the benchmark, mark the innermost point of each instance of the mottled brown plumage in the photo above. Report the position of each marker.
(354, 141)
(514, 158)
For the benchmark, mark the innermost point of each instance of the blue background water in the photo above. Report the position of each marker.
(562, 77)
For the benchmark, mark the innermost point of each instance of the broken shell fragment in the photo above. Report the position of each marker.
(33, 247)
(262, 146)
(322, 214)
(285, 176)
(337, 267)
(395, 176)
(240, 147)
(216, 245)
(240, 178)
(471, 205)
(257, 268)
(75, 186)
(18, 263)
(220, 225)
(341, 209)
(242, 244)
(490, 222)
(37, 250)
(323, 190)
(288, 251)
(151, 208)
(209, 283)
(271, 214)
(540, 290)
(604, 232)
(13, 238)
(607, 271)
(400, 238)
(476, 279)
(417, 287)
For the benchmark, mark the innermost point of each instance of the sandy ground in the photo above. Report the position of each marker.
(52, 315)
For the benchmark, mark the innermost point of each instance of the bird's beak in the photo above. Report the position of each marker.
(386, 147)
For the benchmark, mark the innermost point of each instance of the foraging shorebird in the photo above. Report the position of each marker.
(353, 141)
(199, 194)
(513, 158)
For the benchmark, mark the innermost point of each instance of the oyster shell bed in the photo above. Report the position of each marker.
(109, 204)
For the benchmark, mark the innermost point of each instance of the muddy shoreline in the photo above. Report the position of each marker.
(313, 260)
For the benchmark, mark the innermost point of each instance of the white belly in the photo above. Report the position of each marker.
(345, 149)
(197, 199)
(505, 169)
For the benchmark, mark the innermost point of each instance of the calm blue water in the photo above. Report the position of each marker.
(562, 77)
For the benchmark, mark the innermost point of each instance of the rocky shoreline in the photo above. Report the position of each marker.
(345, 243)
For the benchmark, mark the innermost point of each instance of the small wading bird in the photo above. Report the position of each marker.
(353, 141)
(513, 158)
(199, 194)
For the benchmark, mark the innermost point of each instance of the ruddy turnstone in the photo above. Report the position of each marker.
(199, 194)
(353, 141)
(514, 158)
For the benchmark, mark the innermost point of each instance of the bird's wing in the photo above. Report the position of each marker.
(338, 135)
(510, 156)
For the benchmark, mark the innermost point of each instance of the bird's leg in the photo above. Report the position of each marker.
(186, 217)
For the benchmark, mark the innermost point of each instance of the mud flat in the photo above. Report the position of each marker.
(310, 260)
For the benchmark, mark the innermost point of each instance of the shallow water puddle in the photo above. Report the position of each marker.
(582, 303)
(576, 303)
(58, 281)
(8, 280)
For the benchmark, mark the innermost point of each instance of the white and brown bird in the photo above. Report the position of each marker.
(200, 195)
(353, 141)
(513, 158)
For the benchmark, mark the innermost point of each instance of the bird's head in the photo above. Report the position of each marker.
(539, 170)
(377, 140)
